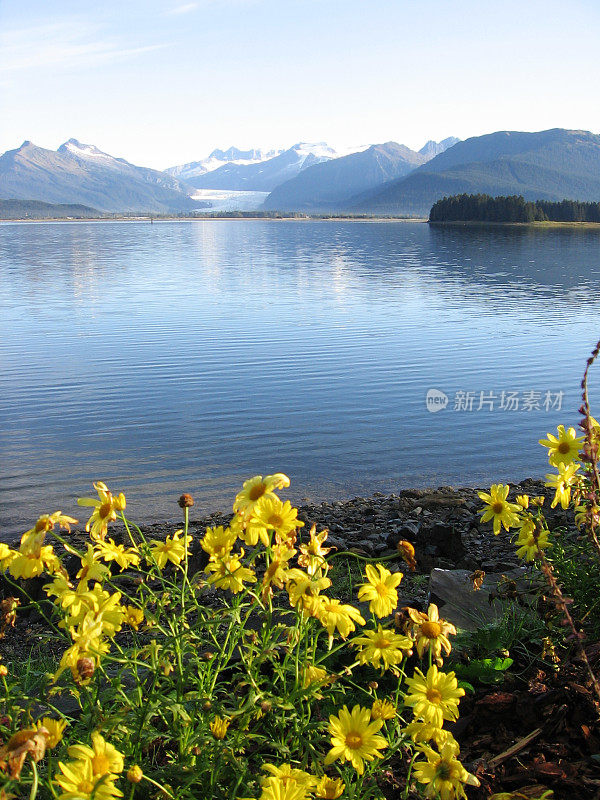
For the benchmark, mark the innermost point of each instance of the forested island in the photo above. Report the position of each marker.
(484, 208)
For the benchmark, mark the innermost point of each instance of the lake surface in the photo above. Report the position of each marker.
(186, 356)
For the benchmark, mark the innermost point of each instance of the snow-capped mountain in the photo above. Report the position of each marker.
(218, 158)
(81, 173)
(264, 176)
(432, 149)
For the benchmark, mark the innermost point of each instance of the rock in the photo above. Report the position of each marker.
(452, 591)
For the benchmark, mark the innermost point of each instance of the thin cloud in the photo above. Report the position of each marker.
(183, 9)
(62, 44)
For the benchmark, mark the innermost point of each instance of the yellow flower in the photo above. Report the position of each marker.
(103, 756)
(431, 632)
(91, 568)
(434, 697)
(256, 488)
(355, 737)
(218, 542)
(444, 776)
(383, 709)
(522, 500)
(564, 448)
(270, 514)
(304, 590)
(229, 573)
(333, 614)
(172, 549)
(47, 523)
(79, 782)
(54, 728)
(498, 508)
(329, 788)
(133, 617)
(313, 553)
(381, 645)
(420, 731)
(380, 590)
(33, 559)
(287, 776)
(276, 572)
(6, 556)
(105, 510)
(312, 674)
(125, 557)
(219, 727)
(88, 643)
(528, 541)
(278, 790)
(562, 484)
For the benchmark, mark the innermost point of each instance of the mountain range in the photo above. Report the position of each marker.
(262, 174)
(386, 178)
(81, 174)
(547, 165)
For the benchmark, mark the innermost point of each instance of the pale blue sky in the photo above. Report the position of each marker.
(162, 82)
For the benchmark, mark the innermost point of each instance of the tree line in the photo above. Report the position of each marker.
(484, 208)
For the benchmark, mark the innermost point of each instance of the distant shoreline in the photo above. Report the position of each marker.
(483, 224)
(208, 218)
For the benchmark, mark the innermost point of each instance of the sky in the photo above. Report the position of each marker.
(164, 82)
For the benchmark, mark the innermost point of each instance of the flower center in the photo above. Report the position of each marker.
(498, 507)
(105, 510)
(100, 764)
(353, 740)
(256, 492)
(434, 696)
(443, 771)
(382, 643)
(381, 589)
(275, 521)
(564, 448)
(431, 629)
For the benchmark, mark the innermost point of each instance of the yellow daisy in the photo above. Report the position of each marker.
(105, 510)
(218, 541)
(434, 697)
(355, 737)
(564, 448)
(270, 514)
(312, 553)
(383, 709)
(380, 589)
(499, 509)
(382, 646)
(78, 780)
(329, 788)
(124, 557)
(173, 549)
(55, 729)
(333, 614)
(218, 727)
(529, 540)
(431, 632)
(304, 590)
(443, 775)
(256, 488)
(103, 756)
(562, 484)
(228, 573)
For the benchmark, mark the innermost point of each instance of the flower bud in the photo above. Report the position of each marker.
(86, 667)
(134, 774)
(206, 705)
(185, 501)
(266, 706)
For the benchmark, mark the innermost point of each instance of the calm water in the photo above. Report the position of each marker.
(188, 356)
